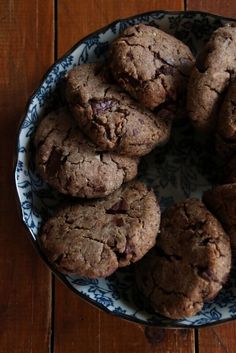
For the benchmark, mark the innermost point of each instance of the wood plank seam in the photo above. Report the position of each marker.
(196, 344)
(185, 5)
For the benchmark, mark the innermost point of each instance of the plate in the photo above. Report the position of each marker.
(185, 167)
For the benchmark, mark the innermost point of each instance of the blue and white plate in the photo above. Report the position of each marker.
(183, 168)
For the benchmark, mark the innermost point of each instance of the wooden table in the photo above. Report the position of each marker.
(37, 312)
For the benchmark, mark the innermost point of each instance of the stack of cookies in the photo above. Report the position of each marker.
(89, 150)
(116, 114)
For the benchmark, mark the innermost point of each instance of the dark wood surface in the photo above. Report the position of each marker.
(38, 313)
(26, 51)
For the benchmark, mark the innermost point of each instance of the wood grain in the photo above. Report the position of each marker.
(79, 326)
(224, 8)
(76, 323)
(26, 29)
(83, 17)
(218, 339)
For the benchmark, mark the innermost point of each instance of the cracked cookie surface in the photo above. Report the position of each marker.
(221, 200)
(226, 125)
(189, 264)
(95, 238)
(112, 119)
(214, 68)
(72, 164)
(151, 65)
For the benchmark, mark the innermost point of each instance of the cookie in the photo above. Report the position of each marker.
(226, 125)
(96, 237)
(151, 65)
(189, 264)
(214, 68)
(111, 119)
(221, 200)
(72, 164)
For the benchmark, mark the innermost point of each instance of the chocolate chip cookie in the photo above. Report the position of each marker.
(111, 119)
(190, 263)
(151, 65)
(94, 238)
(72, 164)
(226, 126)
(221, 200)
(214, 68)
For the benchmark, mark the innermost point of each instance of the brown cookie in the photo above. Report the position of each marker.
(151, 65)
(72, 164)
(93, 239)
(214, 68)
(111, 119)
(221, 200)
(189, 264)
(226, 126)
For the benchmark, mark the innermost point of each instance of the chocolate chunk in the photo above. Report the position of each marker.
(119, 222)
(54, 162)
(102, 106)
(118, 207)
(165, 70)
(207, 274)
(129, 248)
